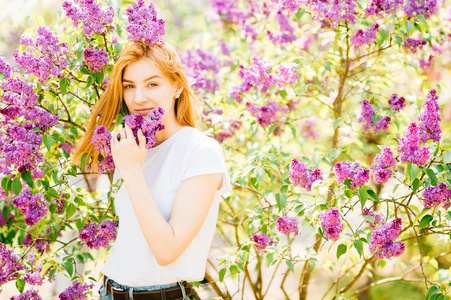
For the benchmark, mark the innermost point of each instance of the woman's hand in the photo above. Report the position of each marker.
(128, 157)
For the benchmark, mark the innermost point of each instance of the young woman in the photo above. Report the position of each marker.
(168, 204)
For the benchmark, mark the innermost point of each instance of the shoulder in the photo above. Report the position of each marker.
(194, 139)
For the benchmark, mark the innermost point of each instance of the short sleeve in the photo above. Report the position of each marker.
(208, 158)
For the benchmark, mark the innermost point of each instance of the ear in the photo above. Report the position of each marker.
(179, 91)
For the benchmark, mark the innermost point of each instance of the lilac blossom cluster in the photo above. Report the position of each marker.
(143, 24)
(331, 223)
(198, 64)
(76, 292)
(93, 18)
(409, 146)
(99, 236)
(437, 195)
(331, 12)
(227, 132)
(413, 45)
(149, 125)
(347, 170)
(396, 103)
(368, 36)
(420, 7)
(426, 64)
(258, 76)
(380, 166)
(263, 241)
(33, 206)
(377, 217)
(287, 225)
(44, 57)
(367, 116)
(268, 114)
(300, 175)
(229, 11)
(95, 59)
(382, 240)
(290, 5)
(376, 7)
(286, 30)
(28, 295)
(10, 264)
(307, 128)
(6, 68)
(430, 119)
(101, 141)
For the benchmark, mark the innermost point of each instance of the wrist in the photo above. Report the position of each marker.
(130, 173)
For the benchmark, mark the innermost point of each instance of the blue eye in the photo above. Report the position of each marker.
(128, 86)
(153, 84)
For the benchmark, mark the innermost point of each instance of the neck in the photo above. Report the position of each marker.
(171, 126)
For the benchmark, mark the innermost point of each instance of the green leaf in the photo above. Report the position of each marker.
(222, 273)
(45, 269)
(359, 246)
(337, 122)
(290, 265)
(52, 193)
(27, 178)
(6, 184)
(432, 291)
(341, 249)
(425, 221)
(409, 27)
(68, 266)
(398, 40)
(373, 195)
(83, 161)
(64, 84)
(348, 193)
(48, 141)
(432, 176)
(369, 218)
(71, 209)
(415, 184)
(382, 35)
(16, 186)
(283, 93)
(20, 284)
(281, 200)
(363, 195)
(79, 223)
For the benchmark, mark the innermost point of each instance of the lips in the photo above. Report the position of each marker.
(144, 111)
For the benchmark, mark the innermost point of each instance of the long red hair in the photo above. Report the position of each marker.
(111, 102)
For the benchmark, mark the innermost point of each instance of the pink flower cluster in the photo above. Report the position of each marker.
(268, 114)
(99, 236)
(437, 195)
(33, 206)
(91, 16)
(258, 76)
(421, 7)
(413, 45)
(307, 128)
(376, 7)
(368, 36)
(286, 30)
(367, 118)
(287, 225)
(300, 175)
(380, 165)
(263, 241)
(382, 240)
(331, 223)
(101, 141)
(227, 132)
(76, 292)
(95, 59)
(430, 119)
(377, 218)
(6, 68)
(290, 5)
(149, 126)
(28, 295)
(144, 24)
(10, 264)
(347, 170)
(396, 103)
(330, 12)
(426, 64)
(198, 65)
(44, 57)
(410, 149)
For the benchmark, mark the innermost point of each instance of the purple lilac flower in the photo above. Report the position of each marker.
(331, 223)
(367, 118)
(300, 175)
(19, 93)
(347, 170)
(95, 59)
(44, 57)
(268, 114)
(144, 24)
(225, 49)
(376, 7)
(425, 65)
(436, 195)
(287, 225)
(410, 149)
(39, 244)
(430, 119)
(377, 218)
(33, 206)
(290, 5)
(33, 278)
(28, 295)
(227, 132)
(93, 18)
(229, 11)
(99, 236)
(6, 68)
(382, 124)
(382, 240)
(396, 103)
(413, 45)
(101, 140)
(365, 37)
(149, 125)
(307, 128)
(380, 164)
(286, 30)
(10, 264)
(263, 241)
(420, 7)
(199, 66)
(330, 12)
(76, 292)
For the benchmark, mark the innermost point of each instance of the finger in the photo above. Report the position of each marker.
(142, 140)
(128, 131)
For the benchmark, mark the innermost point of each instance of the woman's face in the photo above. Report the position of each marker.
(146, 88)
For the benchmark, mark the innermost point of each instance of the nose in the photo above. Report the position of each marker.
(140, 96)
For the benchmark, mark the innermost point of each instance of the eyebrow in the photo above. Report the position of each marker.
(147, 79)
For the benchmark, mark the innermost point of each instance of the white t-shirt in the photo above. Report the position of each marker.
(187, 153)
